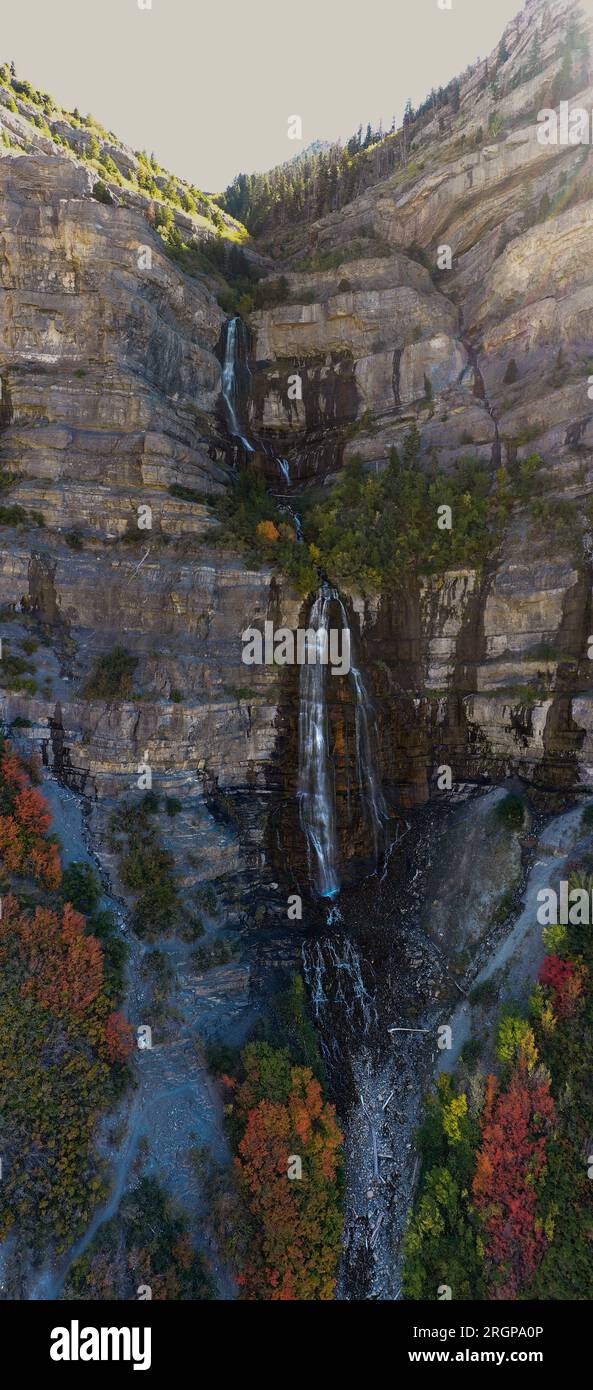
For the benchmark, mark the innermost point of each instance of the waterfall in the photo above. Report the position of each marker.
(368, 777)
(368, 780)
(316, 791)
(316, 785)
(333, 973)
(230, 379)
(284, 467)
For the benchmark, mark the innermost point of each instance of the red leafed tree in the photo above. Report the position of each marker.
(510, 1165)
(119, 1037)
(565, 980)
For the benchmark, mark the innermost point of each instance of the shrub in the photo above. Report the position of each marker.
(112, 678)
(150, 1226)
(213, 954)
(511, 811)
(485, 992)
(102, 194)
(146, 870)
(81, 886)
(267, 531)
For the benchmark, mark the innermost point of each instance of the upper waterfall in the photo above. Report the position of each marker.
(235, 356)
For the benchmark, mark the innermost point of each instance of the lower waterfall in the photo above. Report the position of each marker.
(316, 790)
(316, 786)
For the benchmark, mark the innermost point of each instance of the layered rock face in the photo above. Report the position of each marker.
(108, 365)
(476, 327)
(111, 383)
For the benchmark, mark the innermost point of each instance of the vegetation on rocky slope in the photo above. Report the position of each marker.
(278, 1215)
(63, 1043)
(101, 150)
(505, 1203)
(147, 1245)
(374, 531)
(321, 181)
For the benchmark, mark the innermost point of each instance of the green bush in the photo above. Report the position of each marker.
(215, 953)
(483, 993)
(102, 194)
(19, 516)
(81, 886)
(146, 870)
(113, 677)
(511, 811)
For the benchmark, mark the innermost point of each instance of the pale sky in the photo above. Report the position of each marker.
(209, 85)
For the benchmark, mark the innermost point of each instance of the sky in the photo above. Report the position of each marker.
(208, 86)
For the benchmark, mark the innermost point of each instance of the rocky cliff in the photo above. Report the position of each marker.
(110, 378)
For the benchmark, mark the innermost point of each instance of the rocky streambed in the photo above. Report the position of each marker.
(456, 904)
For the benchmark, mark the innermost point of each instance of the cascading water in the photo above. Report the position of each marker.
(316, 783)
(316, 788)
(230, 379)
(368, 780)
(336, 965)
(316, 791)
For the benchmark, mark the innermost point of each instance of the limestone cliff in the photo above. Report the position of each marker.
(111, 382)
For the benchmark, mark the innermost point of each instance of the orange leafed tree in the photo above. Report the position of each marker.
(63, 968)
(119, 1037)
(294, 1244)
(32, 811)
(24, 848)
(267, 531)
(12, 770)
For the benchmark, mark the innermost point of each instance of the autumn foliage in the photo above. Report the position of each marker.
(510, 1165)
(267, 531)
(119, 1036)
(294, 1222)
(62, 967)
(24, 849)
(565, 981)
(59, 1034)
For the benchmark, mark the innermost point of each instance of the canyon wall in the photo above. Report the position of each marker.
(111, 381)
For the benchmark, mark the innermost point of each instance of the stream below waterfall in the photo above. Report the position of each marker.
(385, 975)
